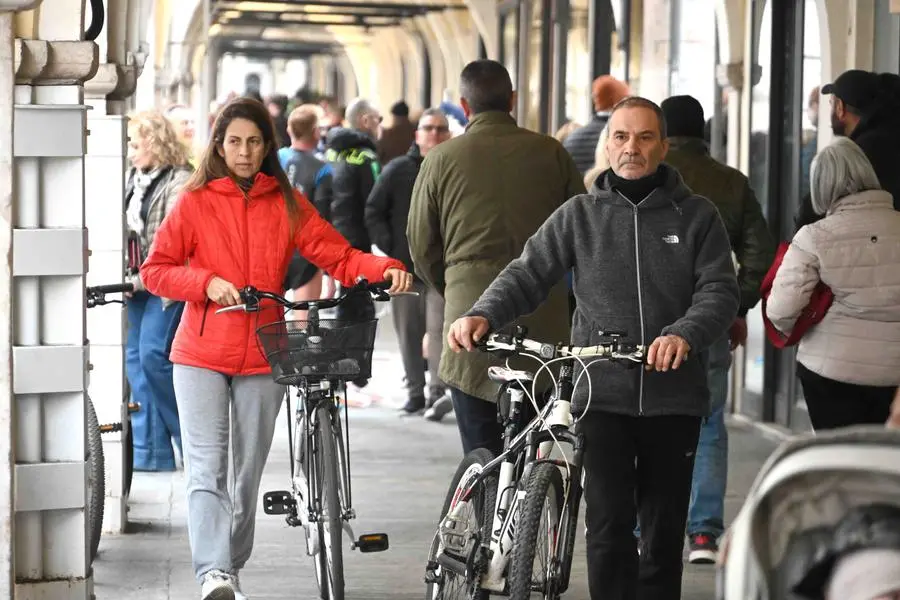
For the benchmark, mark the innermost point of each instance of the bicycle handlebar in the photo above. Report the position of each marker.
(113, 288)
(251, 297)
(506, 343)
(96, 295)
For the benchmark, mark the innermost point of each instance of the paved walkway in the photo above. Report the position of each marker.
(401, 469)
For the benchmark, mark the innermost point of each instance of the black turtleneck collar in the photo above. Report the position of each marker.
(245, 183)
(635, 190)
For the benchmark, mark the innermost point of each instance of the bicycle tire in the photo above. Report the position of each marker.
(330, 541)
(96, 480)
(129, 459)
(544, 482)
(479, 456)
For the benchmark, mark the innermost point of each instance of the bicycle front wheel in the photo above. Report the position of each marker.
(534, 562)
(331, 551)
(441, 583)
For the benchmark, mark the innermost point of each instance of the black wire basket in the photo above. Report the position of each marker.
(329, 349)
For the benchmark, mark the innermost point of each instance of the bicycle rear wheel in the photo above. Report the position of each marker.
(441, 583)
(331, 550)
(96, 480)
(537, 536)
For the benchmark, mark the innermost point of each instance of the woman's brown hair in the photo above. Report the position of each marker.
(212, 165)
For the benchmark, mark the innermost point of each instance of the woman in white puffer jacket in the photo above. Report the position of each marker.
(849, 363)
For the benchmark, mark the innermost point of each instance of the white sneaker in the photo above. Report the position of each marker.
(217, 585)
(236, 584)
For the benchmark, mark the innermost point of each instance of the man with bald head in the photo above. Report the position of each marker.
(651, 260)
(353, 156)
(606, 92)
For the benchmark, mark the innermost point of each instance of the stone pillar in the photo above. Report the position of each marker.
(653, 80)
(49, 242)
(7, 188)
(484, 14)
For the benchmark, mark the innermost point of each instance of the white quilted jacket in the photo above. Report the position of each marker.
(855, 250)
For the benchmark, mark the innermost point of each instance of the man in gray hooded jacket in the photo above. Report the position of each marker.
(653, 260)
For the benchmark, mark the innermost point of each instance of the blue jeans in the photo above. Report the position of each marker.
(155, 426)
(706, 513)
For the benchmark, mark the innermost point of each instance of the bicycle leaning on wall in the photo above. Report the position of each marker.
(96, 296)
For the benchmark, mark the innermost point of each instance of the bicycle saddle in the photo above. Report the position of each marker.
(504, 375)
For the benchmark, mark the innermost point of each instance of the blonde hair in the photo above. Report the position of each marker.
(162, 140)
(304, 120)
(566, 130)
(600, 161)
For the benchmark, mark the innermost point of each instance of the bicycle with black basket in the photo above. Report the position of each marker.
(493, 523)
(317, 357)
(96, 296)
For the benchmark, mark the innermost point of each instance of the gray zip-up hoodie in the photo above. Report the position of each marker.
(660, 267)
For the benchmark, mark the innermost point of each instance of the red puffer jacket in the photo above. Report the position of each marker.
(215, 231)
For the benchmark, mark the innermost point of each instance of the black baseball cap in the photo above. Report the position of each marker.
(855, 87)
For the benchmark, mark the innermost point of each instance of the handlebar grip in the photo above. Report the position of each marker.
(112, 288)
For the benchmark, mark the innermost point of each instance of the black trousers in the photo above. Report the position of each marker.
(834, 404)
(357, 307)
(478, 424)
(637, 466)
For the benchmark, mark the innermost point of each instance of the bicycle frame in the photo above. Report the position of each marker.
(312, 397)
(528, 447)
(523, 449)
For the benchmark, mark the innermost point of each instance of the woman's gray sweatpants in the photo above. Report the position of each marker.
(213, 408)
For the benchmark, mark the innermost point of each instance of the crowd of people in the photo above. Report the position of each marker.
(626, 223)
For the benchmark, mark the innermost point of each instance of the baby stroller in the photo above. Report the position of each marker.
(817, 500)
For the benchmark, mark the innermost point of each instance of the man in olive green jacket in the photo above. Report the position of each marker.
(476, 201)
(752, 244)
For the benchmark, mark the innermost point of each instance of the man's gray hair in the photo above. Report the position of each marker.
(839, 170)
(356, 110)
(434, 112)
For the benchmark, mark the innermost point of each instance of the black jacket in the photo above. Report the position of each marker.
(387, 210)
(878, 136)
(312, 177)
(660, 267)
(582, 143)
(355, 168)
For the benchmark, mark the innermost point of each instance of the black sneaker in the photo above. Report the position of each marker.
(414, 405)
(704, 549)
(441, 407)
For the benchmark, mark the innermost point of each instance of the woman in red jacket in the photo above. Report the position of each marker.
(237, 224)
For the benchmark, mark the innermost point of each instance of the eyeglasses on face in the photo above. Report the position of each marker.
(436, 128)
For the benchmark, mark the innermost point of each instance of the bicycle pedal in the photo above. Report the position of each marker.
(372, 542)
(278, 503)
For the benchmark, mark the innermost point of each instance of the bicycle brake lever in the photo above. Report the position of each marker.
(232, 308)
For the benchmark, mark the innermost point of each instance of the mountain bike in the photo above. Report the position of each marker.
(96, 296)
(503, 513)
(317, 357)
